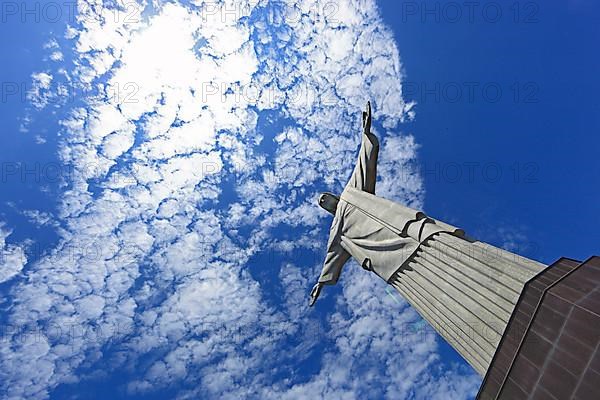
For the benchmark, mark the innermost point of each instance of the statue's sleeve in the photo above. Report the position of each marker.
(336, 256)
(364, 175)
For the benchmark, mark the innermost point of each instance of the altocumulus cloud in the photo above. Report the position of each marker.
(12, 256)
(200, 135)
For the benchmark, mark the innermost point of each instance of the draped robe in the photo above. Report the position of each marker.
(381, 235)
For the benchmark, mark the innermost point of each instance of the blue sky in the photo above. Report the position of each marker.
(541, 133)
(166, 237)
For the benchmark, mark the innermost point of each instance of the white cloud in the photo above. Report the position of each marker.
(56, 56)
(39, 95)
(12, 257)
(40, 140)
(40, 218)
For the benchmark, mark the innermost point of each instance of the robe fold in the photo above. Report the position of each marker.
(381, 235)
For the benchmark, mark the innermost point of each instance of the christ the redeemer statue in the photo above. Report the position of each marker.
(465, 289)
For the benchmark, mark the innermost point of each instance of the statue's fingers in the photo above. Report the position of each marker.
(313, 299)
(367, 119)
(316, 291)
(367, 116)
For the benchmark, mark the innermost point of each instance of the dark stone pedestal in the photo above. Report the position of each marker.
(550, 347)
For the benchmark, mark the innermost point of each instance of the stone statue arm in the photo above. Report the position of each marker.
(364, 175)
(335, 259)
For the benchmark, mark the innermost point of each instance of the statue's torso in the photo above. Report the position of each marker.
(366, 238)
(382, 232)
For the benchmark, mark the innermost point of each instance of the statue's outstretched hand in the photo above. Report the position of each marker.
(367, 119)
(314, 293)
